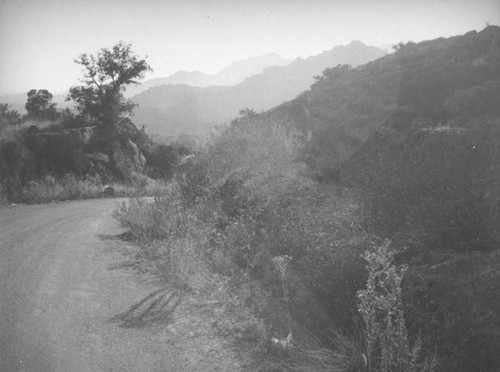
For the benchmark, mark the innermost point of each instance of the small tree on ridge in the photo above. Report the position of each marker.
(39, 104)
(107, 74)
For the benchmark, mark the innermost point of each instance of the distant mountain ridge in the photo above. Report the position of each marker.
(230, 75)
(174, 109)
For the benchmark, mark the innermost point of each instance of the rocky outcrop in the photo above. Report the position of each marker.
(135, 154)
(116, 152)
(128, 159)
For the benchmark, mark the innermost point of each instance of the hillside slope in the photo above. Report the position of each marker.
(421, 85)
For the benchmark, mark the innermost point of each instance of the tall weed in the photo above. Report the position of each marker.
(388, 346)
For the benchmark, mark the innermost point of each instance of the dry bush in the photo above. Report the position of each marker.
(250, 187)
(151, 220)
(171, 238)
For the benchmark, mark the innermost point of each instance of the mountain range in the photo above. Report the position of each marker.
(181, 108)
(230, 75)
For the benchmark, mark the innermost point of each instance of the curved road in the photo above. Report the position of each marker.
(58, 294)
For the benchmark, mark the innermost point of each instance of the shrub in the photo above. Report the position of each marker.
(388, 346)
(164, 160)
(170, 237)
(249, 182)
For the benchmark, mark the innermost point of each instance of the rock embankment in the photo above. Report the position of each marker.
(116, 152)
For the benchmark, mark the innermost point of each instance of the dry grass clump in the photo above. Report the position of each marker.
(51, 189)
(171, 238)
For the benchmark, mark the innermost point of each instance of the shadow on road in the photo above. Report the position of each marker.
(156, 308)
(126, 236)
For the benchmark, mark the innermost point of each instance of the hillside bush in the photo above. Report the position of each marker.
(241, 203)
(165, 160)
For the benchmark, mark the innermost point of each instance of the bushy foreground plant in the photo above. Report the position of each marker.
(388, 345)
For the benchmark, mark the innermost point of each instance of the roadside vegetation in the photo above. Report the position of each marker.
(49, 154)
(354, 228)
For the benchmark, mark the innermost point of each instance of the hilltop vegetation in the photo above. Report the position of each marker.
(355, 227)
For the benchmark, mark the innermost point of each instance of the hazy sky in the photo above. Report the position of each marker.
(39, 39)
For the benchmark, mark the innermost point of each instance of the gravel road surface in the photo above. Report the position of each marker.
(67, 302)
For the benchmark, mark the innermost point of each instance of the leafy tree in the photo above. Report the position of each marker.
(8, 116)
(245, 114)
(163, 161)
(107, 74)
(39, 104)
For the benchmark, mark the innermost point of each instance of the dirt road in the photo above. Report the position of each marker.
(64, 297)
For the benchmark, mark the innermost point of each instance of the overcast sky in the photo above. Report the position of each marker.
(39, 39)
